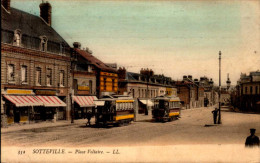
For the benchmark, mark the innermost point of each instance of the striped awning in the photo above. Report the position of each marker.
(22, 101)
(85, 101)
(51, 101)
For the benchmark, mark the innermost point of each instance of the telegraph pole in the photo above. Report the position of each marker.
(219, 92)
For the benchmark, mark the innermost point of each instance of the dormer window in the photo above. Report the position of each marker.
(17, 38)
(43, 46)
(62, 48)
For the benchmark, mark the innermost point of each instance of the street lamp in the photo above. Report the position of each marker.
(73, 65)
(219, 117)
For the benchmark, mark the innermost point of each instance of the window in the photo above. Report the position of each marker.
(49, 77)
(251, 90)
(62, 48)
(90, 86)
(10, 73)
(256, 89)
(43, 46)
(245, 90)
(90, 68)
(105, 83)
(24, 74)
(17, 37)
(61, 79)
(38, 76)
(113, 84)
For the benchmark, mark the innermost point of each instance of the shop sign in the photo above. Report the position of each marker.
(45, 92)
(19, 91)
(83, 88)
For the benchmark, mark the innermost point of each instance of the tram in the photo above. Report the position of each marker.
(166, 108)
(114, 110)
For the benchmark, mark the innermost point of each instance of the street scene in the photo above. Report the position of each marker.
(141, 75)
(194, 127)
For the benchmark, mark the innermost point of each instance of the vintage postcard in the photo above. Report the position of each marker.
(130, 81)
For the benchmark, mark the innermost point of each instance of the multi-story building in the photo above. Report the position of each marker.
(143, 86)
(190, 92)
(248, 96)
(84, 82)
(106, 77)
(35, 67)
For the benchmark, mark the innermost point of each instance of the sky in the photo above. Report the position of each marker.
(173, 38)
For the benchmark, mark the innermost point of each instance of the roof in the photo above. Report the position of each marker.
(93, 60)
(29, 24)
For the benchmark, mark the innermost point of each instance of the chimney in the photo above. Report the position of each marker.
(190, 77)
(45, 12)
(77, 45)
(6, 4)
(184, 77)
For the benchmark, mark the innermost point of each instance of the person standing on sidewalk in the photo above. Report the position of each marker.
(215, 115)
(89, 115)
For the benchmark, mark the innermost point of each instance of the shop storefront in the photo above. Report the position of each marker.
(53, 106)
(82, 105)
(19, 105)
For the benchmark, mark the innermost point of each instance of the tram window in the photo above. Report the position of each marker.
(117, 106)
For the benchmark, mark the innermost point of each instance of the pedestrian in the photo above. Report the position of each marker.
(252, 140)
(89, 115)
(215, 114)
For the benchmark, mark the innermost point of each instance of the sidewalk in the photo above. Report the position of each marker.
(18, 127)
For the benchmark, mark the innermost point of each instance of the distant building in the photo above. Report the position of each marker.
(113, 65)
(143, 86)
(35, 67)
(248, 92)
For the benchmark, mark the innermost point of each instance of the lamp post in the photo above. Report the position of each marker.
(73, 64)
(219, 117)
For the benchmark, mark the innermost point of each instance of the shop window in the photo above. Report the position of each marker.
(17, 37)
(24, 72)
(38, 76)
(10, 73)
(49, 77)
(43, 46)
(61, 79)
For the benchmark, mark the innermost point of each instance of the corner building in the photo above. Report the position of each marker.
(35, 67)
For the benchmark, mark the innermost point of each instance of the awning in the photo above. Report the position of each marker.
(85, 101)
(22, 101)
(150, 103)
(51, 101)
(99, 103)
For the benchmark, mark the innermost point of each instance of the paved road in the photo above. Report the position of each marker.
(189, 129)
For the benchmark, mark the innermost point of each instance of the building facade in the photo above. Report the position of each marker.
(248, 92)
(143, 87)
(35, 67)
(106, 81)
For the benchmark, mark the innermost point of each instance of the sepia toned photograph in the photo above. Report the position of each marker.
(130, 81)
